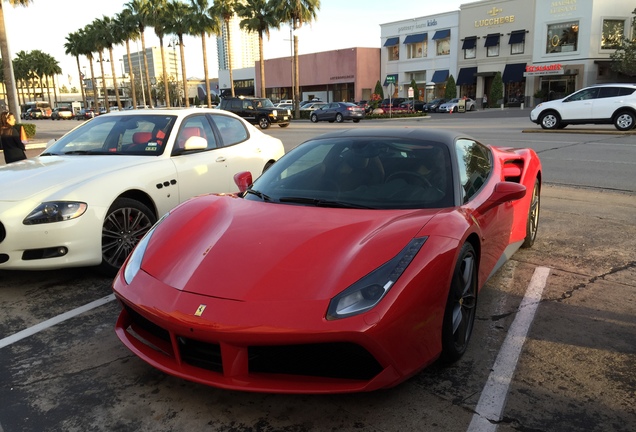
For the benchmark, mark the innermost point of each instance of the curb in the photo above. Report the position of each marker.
(581, 131)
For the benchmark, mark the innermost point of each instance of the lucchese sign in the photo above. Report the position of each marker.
(551, 69)
(495, 20)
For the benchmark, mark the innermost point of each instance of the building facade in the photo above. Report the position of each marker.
(574, 40)
(244, 46)
(421, 49)
(343, 75)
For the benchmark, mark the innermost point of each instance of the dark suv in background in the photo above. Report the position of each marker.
(260, 111)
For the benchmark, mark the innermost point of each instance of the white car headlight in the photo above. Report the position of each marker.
(368, 291)
(134, 261)
(55, 211)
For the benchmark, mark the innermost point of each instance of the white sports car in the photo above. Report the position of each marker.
(90, 197)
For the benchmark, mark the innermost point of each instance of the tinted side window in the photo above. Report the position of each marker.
(195, 126)
(232, 130)
(605, 92)
(475, 165)
(591, 93)
(624, 91)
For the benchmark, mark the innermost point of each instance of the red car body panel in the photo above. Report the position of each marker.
(237, 275)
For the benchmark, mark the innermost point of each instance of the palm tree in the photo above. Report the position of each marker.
(204, 25)
(142, 10)
(48, 68)
(258, 16)
(225, 10)
(297, 12)
(99, 43)
(179, 24)
(12, 91)
(72, 46)
(20, 66)
(126, 29)
(105, 28)
(158, 18)
(87, 48)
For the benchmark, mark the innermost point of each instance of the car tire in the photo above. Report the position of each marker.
(624, 120)
(459, 316)
(339, 118)
(263, 122)
(284, 125)
(313, 118)
(356, 121)
(549, 120)
(126, 222)
(532, 223)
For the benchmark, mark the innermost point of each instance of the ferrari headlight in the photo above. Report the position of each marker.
(55, 211)
(134, 261)
(368, 291)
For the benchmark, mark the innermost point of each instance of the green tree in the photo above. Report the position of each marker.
(624, 58)
(73, 46)
(159, 18)
(204, 25)
(496, 91)
(258, 16)
(141, 10)
(416, 91)
(106, 32)
(127, 31)
(451, 88)
(379, 90)
(9, 78)
(179, 24)
(297, 12)
(225, 10)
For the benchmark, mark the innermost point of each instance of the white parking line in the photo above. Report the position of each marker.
(55, 320)
(493, 398)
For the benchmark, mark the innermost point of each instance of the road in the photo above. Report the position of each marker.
(576, 366)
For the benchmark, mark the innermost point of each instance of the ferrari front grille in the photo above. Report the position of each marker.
(339, 360)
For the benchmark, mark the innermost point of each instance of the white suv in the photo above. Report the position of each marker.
(600, 104)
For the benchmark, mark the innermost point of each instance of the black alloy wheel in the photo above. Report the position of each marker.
(459, 316)
(126, 222)
(533, 216)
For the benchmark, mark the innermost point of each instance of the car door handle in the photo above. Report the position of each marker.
(220, 159)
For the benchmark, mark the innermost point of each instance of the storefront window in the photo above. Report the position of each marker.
(613, 31)
(562, 37)
(443, 46)
(493, 51)
(470, 53)
(517, 48)
(394, 53)
(416, 50)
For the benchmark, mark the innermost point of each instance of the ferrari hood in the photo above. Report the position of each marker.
(227, 247)
(21, 180)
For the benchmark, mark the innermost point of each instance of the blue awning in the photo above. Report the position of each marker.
(517, 36)
(440, 76)
(467, 76)
(469, 42)
(513, 73)
(415, 38)
(442, 34)
(492, 40)
(392, 41)
(395, 79)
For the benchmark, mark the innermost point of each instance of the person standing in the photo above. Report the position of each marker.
(12, 138)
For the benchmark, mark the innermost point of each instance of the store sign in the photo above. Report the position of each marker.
(495, 19)
(552, 69)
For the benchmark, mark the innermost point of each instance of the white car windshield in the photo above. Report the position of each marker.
(116, 135)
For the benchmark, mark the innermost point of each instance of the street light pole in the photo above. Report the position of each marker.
(173, 44)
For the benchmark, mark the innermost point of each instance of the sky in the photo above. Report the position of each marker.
(44, 25)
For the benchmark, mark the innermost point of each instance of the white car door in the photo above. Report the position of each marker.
(578, 106)
(609, 99)
(199, 171)
(243, 147)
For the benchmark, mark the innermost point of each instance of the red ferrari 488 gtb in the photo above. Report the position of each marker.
(352, 263)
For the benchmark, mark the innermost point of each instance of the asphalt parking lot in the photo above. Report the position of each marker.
(575, 372)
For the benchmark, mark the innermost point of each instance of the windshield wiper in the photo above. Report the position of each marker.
(323, 203)
(261, 195)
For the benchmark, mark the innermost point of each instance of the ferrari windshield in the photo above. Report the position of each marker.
(115, 134)
(360, 172)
